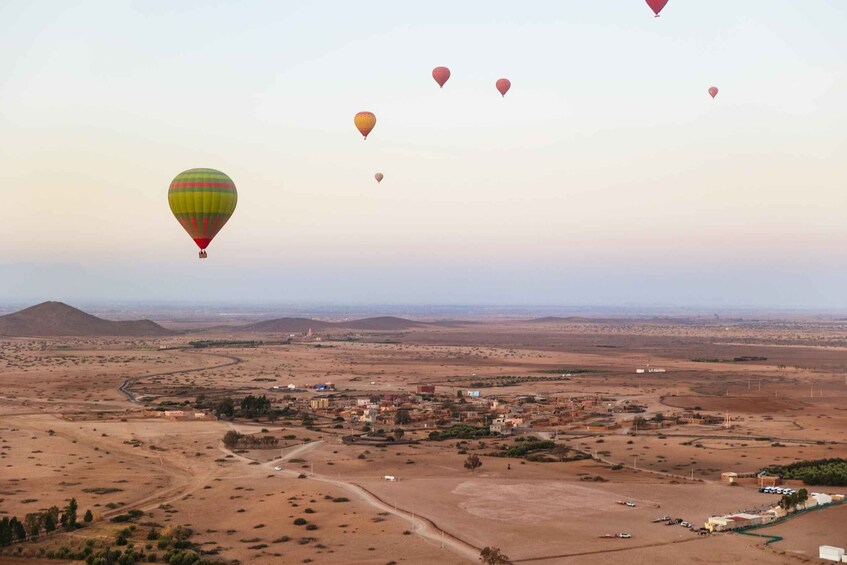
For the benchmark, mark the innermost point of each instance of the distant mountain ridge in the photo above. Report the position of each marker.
(57, 319)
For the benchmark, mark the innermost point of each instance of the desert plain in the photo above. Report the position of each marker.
(132, 427)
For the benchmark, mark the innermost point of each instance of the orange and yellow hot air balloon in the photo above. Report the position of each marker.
(365, 122)
(202, 200)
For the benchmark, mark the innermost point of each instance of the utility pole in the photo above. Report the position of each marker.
(692, 472)
(635, 463)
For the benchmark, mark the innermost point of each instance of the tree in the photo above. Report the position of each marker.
(33, 523)
(460, 395)
(399, 433)
(492, 556)
(5, 531)
(49, 522)
(402, 417)
(70, 515)
(473, 462)
(231, 438)
(225, 408)
(88, 516)
(18, 529)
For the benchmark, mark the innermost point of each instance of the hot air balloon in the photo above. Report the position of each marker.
(713, 91)
(365, 122)
(202, 200)
(503, 85)
(379, 177)
(441, 74)
(657, 5)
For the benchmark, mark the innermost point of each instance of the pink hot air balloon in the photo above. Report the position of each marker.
(379, 177)
(713, 91)
(441, 74)
(503, 85)
(657, 5)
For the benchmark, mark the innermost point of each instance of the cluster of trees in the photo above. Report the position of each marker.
(233, 439)
(255, 406)
(789, 501)
(173, 541)
(825, 472)
(525, 448)
(250, 407)
(460, 431)
(202, 344)
(12, 529)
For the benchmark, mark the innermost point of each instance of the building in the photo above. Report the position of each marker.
(733, 522)
(473, 393)
(729, 478)
(321, 403)
(831, 553)
(500, 426)
(821, 498)
(425, 389)
(769, 481)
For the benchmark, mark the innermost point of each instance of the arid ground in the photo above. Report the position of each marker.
(78, 418)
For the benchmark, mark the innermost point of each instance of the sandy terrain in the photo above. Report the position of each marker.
(66, 430)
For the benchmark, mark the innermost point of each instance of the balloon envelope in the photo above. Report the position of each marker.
(365, 122)
(503, 85)
(713, 91)
(657, 5)
(202, 200)
(441, 74)
(379, 177)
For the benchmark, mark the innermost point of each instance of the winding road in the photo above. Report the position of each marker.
(128, 382)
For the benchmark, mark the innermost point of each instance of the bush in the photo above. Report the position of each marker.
(299, 521)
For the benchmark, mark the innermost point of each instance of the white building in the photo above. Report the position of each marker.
(831, 553)
(821, 498)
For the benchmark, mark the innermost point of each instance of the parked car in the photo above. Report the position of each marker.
(277, 468)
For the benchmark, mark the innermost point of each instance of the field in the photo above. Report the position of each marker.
(84, 418)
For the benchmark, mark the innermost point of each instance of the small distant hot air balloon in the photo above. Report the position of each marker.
(365, 122)
(441, 74)
(503, 85)
(657, 5)
(379, 177)
(713, 91)
(202, 200)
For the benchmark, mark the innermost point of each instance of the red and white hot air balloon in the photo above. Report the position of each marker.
(657, 5)
(379, 177)
(713, 91)
(503, 85)
(441, 74)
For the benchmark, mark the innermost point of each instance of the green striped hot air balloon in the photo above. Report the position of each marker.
(202, 200)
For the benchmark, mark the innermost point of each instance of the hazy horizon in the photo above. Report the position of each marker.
(606, 177)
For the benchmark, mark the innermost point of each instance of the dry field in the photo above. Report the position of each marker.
(66, 430)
